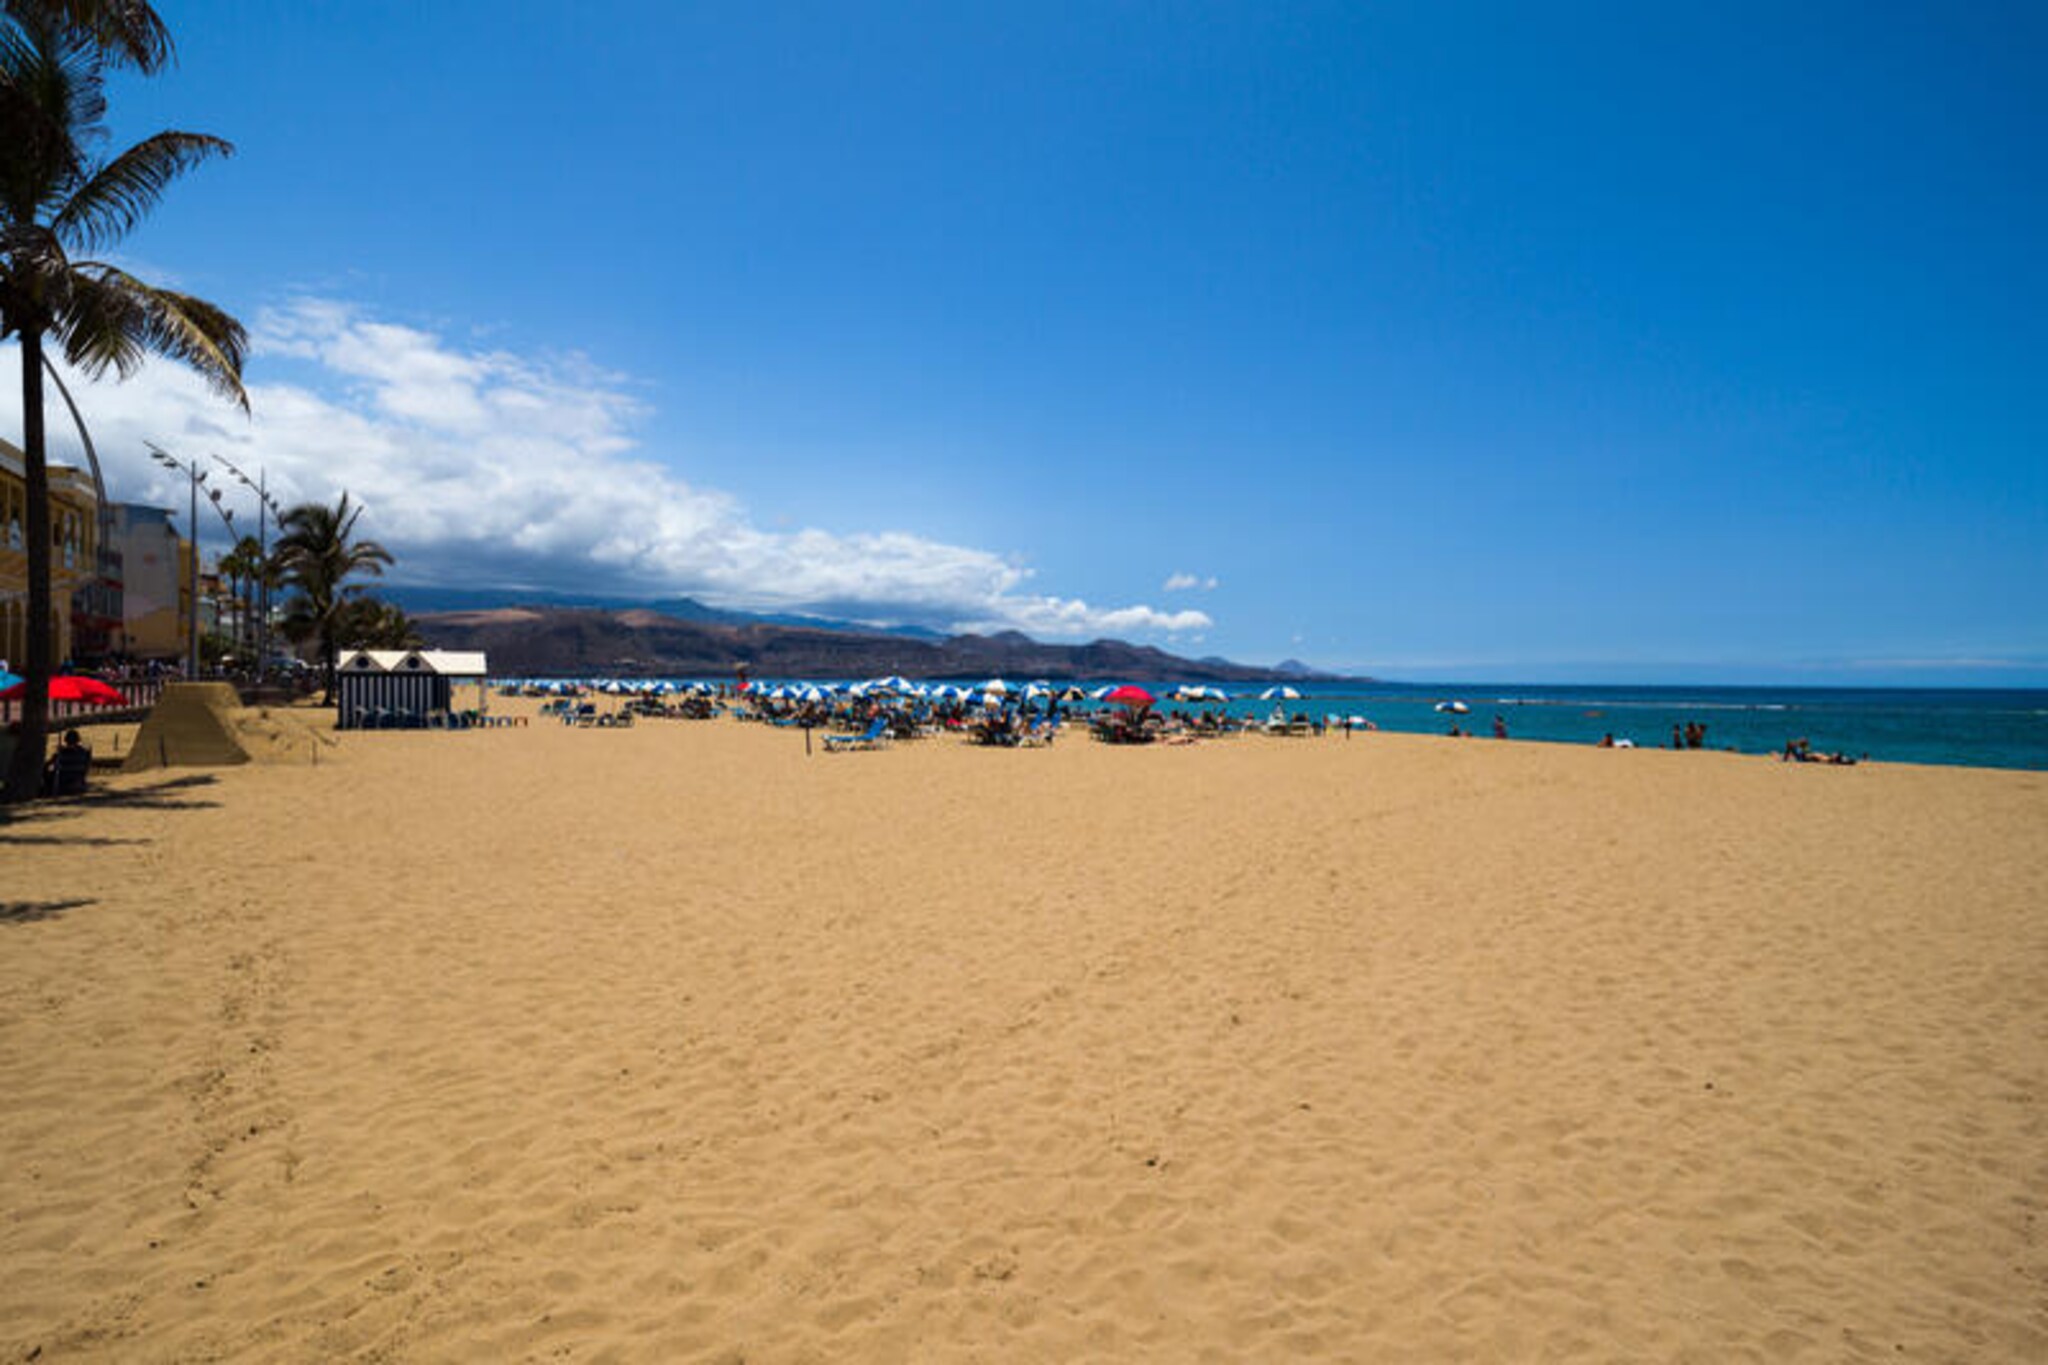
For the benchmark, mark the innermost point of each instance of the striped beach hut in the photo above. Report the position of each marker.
(382, 688)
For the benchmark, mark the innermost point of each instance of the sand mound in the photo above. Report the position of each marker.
(204, 725)
(273, 735)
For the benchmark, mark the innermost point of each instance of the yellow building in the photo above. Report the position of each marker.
(75, 547)
(156, 574)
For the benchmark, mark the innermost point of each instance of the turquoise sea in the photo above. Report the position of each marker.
(1982, 728)
(1971, 727)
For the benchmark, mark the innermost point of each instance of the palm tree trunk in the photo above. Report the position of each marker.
(25, 772)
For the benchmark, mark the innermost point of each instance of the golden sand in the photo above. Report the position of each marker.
(673, 1043)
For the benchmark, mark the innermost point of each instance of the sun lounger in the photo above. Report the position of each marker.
(1042, 731)
(876, 734)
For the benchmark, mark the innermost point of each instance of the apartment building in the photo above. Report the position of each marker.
(74, 555)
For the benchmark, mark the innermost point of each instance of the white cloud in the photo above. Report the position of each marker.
(1187, 582)
(486, 468)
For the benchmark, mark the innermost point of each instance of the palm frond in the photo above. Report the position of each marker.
(52, 112)
(124, 32)
(116, 197)
(110, 318)
(34, 276)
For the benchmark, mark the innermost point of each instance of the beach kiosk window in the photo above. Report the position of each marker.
(380, 689)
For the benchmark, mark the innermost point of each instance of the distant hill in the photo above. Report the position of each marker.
(544, 640)
(434, 601)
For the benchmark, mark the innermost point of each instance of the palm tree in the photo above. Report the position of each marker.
(368, 623)
(56, 199)
(242, 566)
(318, 558)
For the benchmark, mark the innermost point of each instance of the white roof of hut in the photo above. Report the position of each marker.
(449, 663)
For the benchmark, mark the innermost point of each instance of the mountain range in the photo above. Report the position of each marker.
(552, 639)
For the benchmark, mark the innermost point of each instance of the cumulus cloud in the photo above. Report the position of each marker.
(1187, 582)
(486, 468)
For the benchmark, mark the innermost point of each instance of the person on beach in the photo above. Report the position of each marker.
(1500, 728)
(65, 773)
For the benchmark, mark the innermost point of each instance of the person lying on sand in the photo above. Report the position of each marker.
(1802, 751)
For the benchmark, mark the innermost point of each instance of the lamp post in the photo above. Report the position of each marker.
(260, 486)
(197, 476)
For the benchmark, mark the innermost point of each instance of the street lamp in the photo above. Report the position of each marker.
(260, 486)
(197, 476)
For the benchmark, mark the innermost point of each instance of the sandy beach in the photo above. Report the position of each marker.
(675, 1043)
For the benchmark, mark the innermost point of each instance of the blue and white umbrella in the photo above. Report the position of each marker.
(1279, 694)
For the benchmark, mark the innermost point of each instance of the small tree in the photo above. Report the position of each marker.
(242, 567)
(369, 623)
(318, 555)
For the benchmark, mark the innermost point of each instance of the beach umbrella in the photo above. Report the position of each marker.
(1453, 708)
(1073, 692)
(1279, 694)
(9, 681)
(995, 685)
(1129, 695)
(1102, 693)
(70, 687)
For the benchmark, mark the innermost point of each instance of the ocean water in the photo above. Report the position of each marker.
(1969, 727)
(1972, 727)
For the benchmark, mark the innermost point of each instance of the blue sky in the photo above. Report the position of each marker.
(1587, 342)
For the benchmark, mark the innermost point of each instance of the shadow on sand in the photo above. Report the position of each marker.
(171, 794)
(35, 912)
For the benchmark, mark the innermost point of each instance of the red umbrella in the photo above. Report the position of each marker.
(1128, 695)
(71, 687)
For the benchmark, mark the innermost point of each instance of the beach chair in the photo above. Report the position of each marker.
(67, 771)
(1044, 730)
(875, 735)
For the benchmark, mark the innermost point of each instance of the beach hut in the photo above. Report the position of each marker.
(381, 688)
